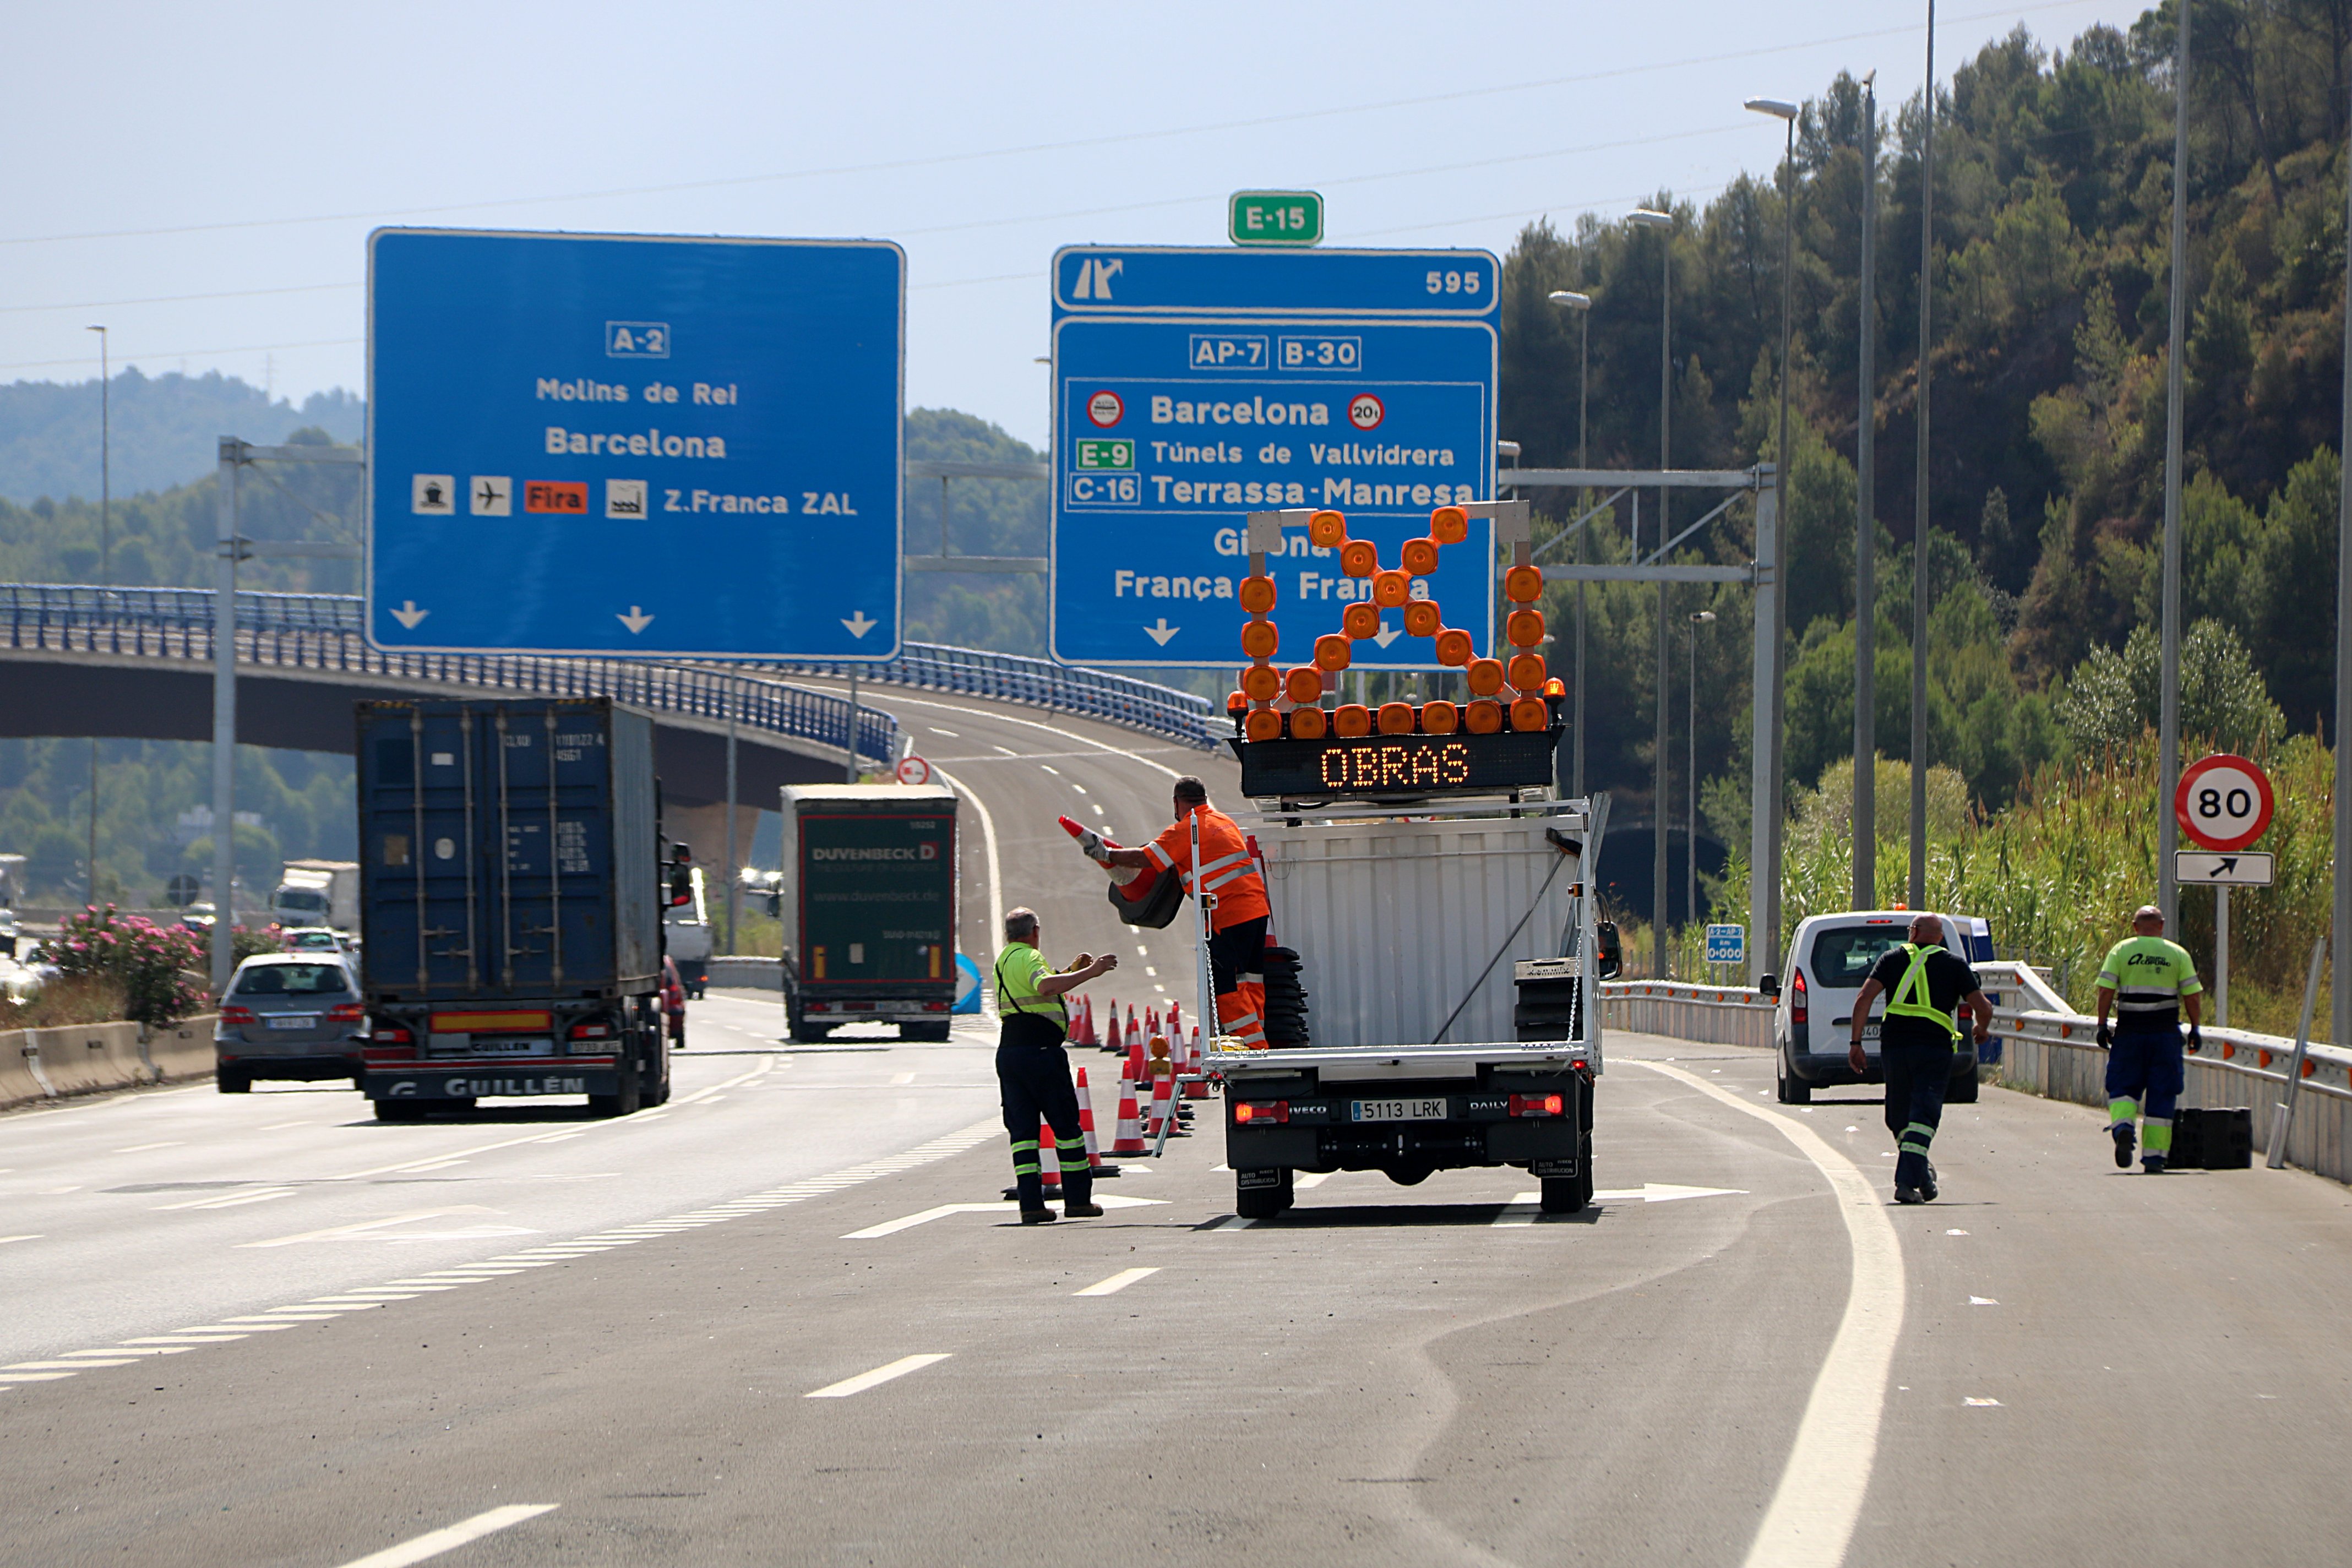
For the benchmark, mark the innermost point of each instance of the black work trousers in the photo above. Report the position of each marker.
(1918, 1072)
(1032, 1077)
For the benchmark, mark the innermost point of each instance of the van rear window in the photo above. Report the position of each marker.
(1845, 955)
(293, 980)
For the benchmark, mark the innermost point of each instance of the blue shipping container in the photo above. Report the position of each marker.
(507, 850)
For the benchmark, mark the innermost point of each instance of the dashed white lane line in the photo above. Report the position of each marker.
(29, 1235)
(1811, 1516)
(874, 1379)
(142, 1148)
(1117, 1282)
(361, 1227)
(433, 1543)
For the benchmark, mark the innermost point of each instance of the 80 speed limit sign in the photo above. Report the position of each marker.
(2223, 802)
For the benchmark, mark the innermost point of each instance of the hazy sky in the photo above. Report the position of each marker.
(203, 181)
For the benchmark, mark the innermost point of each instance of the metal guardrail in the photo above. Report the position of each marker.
(322, 632)
(2048, 1048)
(288, 628)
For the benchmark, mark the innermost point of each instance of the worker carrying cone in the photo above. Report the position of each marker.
(1033, 1070)
(1228, 869)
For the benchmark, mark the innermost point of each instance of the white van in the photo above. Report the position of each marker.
(1828, 960)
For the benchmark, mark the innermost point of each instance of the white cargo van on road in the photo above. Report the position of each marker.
(1828, 958)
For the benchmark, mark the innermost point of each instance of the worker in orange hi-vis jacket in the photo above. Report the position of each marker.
(1237, 924)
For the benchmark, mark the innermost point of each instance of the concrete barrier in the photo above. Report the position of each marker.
(2049, 1050)
(85, 1059)
(749, 974)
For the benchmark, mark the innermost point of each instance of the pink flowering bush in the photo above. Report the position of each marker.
(152, 963)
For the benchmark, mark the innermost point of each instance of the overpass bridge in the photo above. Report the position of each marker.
(136, 663)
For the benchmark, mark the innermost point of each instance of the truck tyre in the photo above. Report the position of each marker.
(1788, 1089)
(934, 1033)
(623, 1102)
(1262, 1203)
(809, 1034)
(1565, 1194)
(233, 1081)
(1408, 1175)
(659, 1094)
(1962, 1091)
(400, 1110)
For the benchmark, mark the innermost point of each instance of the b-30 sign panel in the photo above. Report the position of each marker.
(634, 445)
(1194, 387)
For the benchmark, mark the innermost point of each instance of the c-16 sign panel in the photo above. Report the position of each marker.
(634, 445)
(1193, 387)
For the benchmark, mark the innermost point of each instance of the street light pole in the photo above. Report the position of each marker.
(105, 560)
(1690, 776)
(1866, 530)
(1776, 787)
(1919, 518)
(1583, 305)
(2167, 767)
(1659, 744)
(2340, 1012)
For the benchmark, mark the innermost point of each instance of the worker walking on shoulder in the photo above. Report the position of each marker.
(1924, 986)
(2148, 980)
(1237, 925)
(1032, 1067)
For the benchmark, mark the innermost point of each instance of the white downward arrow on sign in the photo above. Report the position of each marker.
(1387, 634)
(860, 625)
(636, 620)
(1162, 632)
(408, 615)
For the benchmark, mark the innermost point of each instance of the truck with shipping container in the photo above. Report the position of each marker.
(867, 898)
(510, 889)
(317, 893)
(1433, 943)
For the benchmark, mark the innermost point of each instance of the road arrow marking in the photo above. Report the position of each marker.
(908, 1222)
(1648, 1192)
(408, 615)
(1162, 632)
(1387, 634)
(336, 1232)
(636, 620)
(860, 625)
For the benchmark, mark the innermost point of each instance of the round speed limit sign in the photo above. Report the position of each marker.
(2223, 802)
(913, 770)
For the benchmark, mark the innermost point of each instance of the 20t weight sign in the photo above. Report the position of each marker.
(2224, 803)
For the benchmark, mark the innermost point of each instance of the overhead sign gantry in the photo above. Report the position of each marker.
(1193, 387)
(634, 445)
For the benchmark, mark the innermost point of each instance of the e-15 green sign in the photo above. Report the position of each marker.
(1275, 217)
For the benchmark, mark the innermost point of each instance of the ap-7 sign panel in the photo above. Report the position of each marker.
(1194, 387)
(632, 445)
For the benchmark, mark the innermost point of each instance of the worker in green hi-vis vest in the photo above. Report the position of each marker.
(1924, 986)
(2149, 981)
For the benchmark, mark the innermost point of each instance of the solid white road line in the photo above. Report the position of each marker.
(448, 1538)
(874, 1379)
(988, 844)
(909, 1222)
(1812, 1515)
(1117, 1282)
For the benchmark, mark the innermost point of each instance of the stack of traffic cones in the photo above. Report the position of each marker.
(1082, 1028)
(1198, 1086)
(1134, 1031)
(1163, 1103)
(1086, 1129)
(1128, 1140)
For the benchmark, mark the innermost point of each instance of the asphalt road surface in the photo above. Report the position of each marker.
(790, 1320)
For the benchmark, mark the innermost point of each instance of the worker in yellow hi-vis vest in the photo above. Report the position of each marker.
(2149, 983)
(1925, 987)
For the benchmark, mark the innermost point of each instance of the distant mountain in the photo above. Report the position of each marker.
(166, 430)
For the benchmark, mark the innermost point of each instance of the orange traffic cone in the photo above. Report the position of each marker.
(1152, 1020)
(1176, 1018)
(1128, 1140)
(1196, 1085)
(1049, 1162)
(1086, 1129)
(1134, 1032)
(1136, 1069)
(1163, 1103)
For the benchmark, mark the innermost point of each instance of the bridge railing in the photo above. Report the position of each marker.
(140, 620)
(2048, 1048)
(322, 632)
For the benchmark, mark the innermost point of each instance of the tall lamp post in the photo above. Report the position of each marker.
(1583, 305)
(1663, 223)
(1775, 787)
(2167, 767)
(1866, 530)
(1919, 516)
(105, 558)
(1690, 776)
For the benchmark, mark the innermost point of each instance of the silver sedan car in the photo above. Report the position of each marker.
(289, 1016)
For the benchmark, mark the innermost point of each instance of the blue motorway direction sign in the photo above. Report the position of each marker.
(1193, 387)
(632, 445)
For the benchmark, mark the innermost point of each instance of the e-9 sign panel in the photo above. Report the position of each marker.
(1394, 764)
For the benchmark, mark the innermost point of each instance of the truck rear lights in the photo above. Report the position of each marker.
(1797, 1010)
(233, 1014)
(592, 1032)
(346, 1013)
(819, 1006)
(392, 1035)
(1247, 1112)
(1538, 1105)
(936, 1006)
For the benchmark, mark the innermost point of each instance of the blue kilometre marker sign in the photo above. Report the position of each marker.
(1193, 387)
(630, 444)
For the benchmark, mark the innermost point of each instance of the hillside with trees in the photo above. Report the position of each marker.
(165, 429)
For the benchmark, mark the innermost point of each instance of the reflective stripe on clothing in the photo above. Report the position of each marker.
(1910, 998)
(1227, 867)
